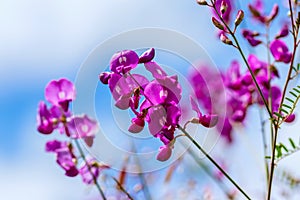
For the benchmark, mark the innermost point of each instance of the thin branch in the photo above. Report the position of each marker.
(213, 161)
(122, 188)
(90, 169)
(246, 62)
(295, 36)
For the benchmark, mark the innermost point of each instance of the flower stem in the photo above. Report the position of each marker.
(122, 188)
(90, 170)
(245, 60)
(265, 146)
(212, 161)
(288, 78)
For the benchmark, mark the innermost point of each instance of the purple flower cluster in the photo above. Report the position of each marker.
(277, 47)
(60, 94)
(240, 92)
(155, 102)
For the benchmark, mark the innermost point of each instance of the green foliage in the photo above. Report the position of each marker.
(283, 151)
(289, 105)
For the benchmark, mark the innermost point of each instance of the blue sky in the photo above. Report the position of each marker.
(44, 40)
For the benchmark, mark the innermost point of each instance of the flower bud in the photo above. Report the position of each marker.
(217, 23)
(147, 56)
(225, 39)
(104, 77)
(137, 125)
(290, 118)
(283, 32)
(239, 18)
(223, 7)
(273, 13)
(254, 11)
(202, 2)
(209, 120)
(164, 154)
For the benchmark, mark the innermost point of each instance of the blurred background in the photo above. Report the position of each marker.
(49, 39)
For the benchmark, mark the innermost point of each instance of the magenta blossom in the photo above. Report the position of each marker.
(137, 125)
(284, 31)
(229, 6)
(251, 37)
(44, 119)
(60, 93)
(89, 175)
(147, 56)
(165, 153)
(209, 120)
(160, 97)
(290, 118)
(123, 61)
(256, 10)
(83, 127)
(280, 51)
(123, 88)
(64, 156)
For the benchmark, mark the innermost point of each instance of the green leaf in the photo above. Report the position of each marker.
(294, 68)
(287, 106)
(278, 114)
(295, 89)
(292, 93)
(298, 67)
(289, 99)
(292, 143)
(279, 152)
(286, 112)
(284, 147)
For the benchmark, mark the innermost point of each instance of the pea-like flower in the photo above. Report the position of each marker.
(123, 61)
(280, 51)
(209, 120)
(44, 119)
(65, 157)
(91, 170)
(83, 127)
(60, 93)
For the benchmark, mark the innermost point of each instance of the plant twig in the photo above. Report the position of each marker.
(213, 161)
(90, 170)
(122, 188)
(288, 78)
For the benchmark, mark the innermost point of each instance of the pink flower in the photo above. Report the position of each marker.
(147, 56)
(65, 157)
(290, 118)
(44, 119)
(206, 120)
(91, 170)
(250, 36)
(123, 61)
(83, 127)
(60, 93)
(227, 14)
(164, 153)
(280, 51)
(137, 125)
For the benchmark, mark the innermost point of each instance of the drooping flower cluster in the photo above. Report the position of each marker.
(60, 94)
(240, 92)
(277, 47)
(240, 89)
(155, 102)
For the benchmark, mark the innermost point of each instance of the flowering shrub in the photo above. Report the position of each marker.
(155, 103)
